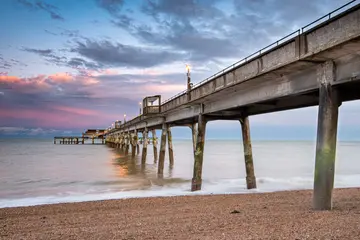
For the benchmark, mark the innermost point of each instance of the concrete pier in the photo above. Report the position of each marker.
(162, 150)
(329, 103)
(318, 64)
(154, 145)
(199, 154)
(249, 165)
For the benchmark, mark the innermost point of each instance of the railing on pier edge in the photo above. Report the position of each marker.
(264, 50)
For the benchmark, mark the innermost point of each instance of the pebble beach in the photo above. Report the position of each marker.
(279, 215)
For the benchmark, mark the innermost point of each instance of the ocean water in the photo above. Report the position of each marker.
(34, 172)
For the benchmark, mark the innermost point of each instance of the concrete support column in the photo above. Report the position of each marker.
(133, 144)
(329, 103)
(102, 140)
(144, 151)
(162, 150)
(199, 154)
(170, 147)
(153, 132)
(249, 165)
(92, 140)
(122, 142)
(83, 140)
(137, 145)
(54, 141)
(116, 141)
(194, 135)
(127, 139)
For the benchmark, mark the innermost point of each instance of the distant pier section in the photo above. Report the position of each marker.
(90, 134)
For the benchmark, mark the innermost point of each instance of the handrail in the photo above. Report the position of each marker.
(261, 51)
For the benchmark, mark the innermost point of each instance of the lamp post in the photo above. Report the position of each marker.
(189, 84)
(125, 118)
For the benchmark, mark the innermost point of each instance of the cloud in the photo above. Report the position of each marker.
(111, 6)
(75, 63)
(22, 131)
(59, 99)
(42, 5)
(41, 52)
(9, 63)
(219, 31)
(119, 55)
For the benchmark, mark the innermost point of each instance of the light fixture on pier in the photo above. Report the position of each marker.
(125, 118)
(189, 84)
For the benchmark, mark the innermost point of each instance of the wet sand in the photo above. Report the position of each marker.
(281, 215)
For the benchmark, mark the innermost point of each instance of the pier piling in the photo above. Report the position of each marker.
(154, 145)
(162, 150)
(170, 147)
(127, 139)
(199, 154)
(249, 165)
(194, 135)
(326, 138)
(137, 144)
(144, 151)
(133, 144)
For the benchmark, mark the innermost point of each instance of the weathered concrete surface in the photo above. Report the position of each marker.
(326, 139)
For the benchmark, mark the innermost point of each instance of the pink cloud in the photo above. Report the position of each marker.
(77, 111)
(61, 78)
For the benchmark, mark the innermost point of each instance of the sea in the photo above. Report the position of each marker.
(37, 171)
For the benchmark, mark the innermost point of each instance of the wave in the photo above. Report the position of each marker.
(179, 187)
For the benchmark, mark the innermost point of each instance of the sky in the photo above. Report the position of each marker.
(67, 65)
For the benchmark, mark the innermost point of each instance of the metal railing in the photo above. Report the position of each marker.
(267, 48)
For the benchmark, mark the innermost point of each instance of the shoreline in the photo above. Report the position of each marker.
(275, 215)
(188, 193)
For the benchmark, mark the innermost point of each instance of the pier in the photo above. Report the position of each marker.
(92, 134)
(318, 64)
